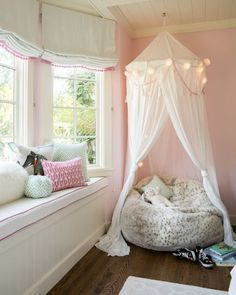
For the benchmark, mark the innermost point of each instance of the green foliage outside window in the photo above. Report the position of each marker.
(74, 110)
(6, 98)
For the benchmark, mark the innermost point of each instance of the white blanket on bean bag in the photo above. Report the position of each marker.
(191, 220)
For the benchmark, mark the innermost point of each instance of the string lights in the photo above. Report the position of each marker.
(204, 80)
(199, 68)
(186, 65)
(140, 164)
(207, 61)
(168, 62)
(151, 71)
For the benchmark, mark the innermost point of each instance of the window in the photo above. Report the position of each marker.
(14, 103)
(82, 111)
(74, 107)
(7, 97)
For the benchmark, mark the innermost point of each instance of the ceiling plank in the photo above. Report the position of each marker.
(233, 8)
(101, 8)
(119, 15)
(159, 8)
(173, 13)
(225, 7)
(186, 11)
(110, 3)
(212, 10)
(183, 28)
(199, 10)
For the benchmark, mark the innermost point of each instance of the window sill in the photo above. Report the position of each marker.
(99, 172)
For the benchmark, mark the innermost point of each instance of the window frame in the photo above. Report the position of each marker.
(103, 166)
(22, 100)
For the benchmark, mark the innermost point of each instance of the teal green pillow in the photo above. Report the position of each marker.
(165, 191)
(37, 187)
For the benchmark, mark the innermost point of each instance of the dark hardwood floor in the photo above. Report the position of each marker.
(96, 273)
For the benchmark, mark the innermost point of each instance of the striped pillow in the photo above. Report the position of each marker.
(64, 174)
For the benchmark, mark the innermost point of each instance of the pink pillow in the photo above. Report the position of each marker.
(64, 174)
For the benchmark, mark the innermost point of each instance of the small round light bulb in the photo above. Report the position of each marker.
(135, 73)
(204, 80)
(207, 61)
(200, 69)
(150, 71)
(168, 62)
(127, 74)
(186, 65)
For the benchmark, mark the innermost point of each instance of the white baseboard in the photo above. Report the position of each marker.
(232, 219)
(56, 273)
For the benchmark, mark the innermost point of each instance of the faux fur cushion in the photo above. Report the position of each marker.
(190, 221)
(12, 181)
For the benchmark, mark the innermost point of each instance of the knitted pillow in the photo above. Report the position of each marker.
(64, 152)
(64, 174)
(38, 187)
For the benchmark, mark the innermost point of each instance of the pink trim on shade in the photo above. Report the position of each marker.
(13, 52)
(18, 55)
(75, 66)
(83, 67)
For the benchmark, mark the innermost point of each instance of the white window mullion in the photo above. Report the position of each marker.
(24, 103)
(75, 112)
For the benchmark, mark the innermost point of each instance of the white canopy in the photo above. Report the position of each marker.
(166, 81)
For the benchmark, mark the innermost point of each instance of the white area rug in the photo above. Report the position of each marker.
(140, 286)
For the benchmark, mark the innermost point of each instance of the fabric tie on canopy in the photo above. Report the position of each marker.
(165, 81)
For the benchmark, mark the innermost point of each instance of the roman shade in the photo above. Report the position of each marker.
(57, 35)
(70, 37)
(19, 26)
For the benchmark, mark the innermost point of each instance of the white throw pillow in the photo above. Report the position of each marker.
(12, 181)
(66, 151)
(44, 150)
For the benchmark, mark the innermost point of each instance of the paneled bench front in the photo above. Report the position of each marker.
(40, 240)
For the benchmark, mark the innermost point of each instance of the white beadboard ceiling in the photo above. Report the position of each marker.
(143, 18)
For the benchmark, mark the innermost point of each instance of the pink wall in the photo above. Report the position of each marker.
(124, 51)
(220, 47)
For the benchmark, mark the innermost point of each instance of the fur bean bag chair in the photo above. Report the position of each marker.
(191, 220)
(12, 181)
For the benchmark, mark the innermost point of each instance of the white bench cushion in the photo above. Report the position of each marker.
(22, 213)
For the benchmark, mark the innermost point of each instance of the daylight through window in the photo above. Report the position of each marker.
(7, 99)
(75, 103)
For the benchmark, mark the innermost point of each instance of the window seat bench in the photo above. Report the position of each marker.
(41, 239)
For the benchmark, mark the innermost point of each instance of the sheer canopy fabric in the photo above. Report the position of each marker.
(166, 81)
